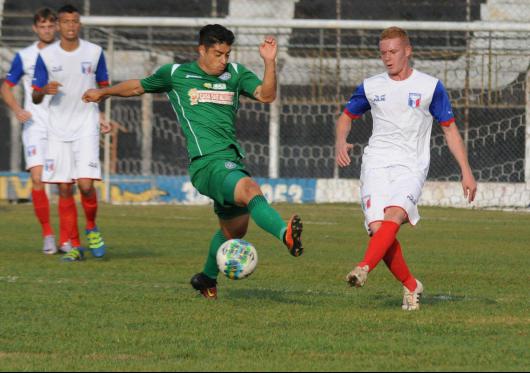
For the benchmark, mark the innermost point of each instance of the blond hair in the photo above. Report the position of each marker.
(395, 33)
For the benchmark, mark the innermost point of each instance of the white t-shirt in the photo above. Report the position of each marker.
(402, 114)
(77, 71)
(23, 67)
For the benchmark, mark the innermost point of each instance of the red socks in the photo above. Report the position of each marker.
(384, 245)
(90, 205)
(396, 263)
(41, 205)
(68, 217)
(379, 244)
(68, 222)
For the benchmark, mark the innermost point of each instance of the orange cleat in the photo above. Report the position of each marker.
(293, 236)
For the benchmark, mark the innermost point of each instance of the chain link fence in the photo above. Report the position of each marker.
(486, 73)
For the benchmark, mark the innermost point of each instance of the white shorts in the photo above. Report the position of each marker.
(67, 161)
(395, 186)
(34, 139)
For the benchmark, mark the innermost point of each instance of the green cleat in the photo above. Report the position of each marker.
(75, 255)
(95, 242)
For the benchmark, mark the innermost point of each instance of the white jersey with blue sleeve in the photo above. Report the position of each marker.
(22, 68)
(76, 71)
(403, 113)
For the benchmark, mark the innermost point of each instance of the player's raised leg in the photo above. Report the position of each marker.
(384, 235)
(248, 193)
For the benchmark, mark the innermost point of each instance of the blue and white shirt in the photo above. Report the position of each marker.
(402, 114)
(23, 67)
(77, 71)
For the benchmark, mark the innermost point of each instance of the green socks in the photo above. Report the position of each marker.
(266, 217)
(210, 268)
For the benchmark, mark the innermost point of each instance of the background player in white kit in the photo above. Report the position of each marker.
(395, 163)
(34, 118)
(65, 70)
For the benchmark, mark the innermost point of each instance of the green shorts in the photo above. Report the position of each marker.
(209, 176)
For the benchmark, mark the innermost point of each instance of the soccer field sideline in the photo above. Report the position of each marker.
(292, 314)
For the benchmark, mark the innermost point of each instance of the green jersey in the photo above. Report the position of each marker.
(206, 105)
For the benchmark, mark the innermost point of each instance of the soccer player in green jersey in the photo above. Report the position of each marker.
(205, 96)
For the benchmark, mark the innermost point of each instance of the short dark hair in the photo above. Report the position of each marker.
(68, 8)
(44, 14)
(215, 34)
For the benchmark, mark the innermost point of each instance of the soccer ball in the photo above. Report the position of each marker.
(237, 259)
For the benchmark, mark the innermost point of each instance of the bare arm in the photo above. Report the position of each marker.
(10, 100)
(457, 148)
(268, 50)
(127, 88)
(52, 88)
(342, 148)
(37, 96)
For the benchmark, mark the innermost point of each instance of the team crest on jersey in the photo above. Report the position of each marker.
(230, 165)
(366, 202)
(225, 76)
(86, 67)
(49, 165)
(414, 100)
(31, 151)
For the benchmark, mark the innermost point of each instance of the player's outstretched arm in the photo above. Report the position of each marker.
(127, 88)
(457, 148)
(268, 50)
(342, 148)
(10, 100)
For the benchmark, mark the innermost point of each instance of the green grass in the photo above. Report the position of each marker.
(136, 311)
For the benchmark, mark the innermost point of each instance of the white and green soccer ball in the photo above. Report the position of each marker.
(237, 259)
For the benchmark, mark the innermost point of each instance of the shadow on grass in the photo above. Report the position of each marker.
(120, 254)
(435, 299)
(279, 296)
(451, 298)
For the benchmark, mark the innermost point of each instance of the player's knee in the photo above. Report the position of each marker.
(86, 188)
(65, 191)
(85, 191)
(374, 227)
(247, 190)
(251, 188)
(238, 232)
(396, 215)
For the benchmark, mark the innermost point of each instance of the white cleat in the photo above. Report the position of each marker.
(66, 247)
(49, 247)
(411, 299)
(358, 276)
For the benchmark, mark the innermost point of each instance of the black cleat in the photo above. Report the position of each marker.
(206, 286)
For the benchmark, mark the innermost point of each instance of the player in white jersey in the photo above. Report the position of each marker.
(403, 102)
(65, 70)
(34, 118)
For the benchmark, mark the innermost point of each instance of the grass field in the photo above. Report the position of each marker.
(135, 310)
